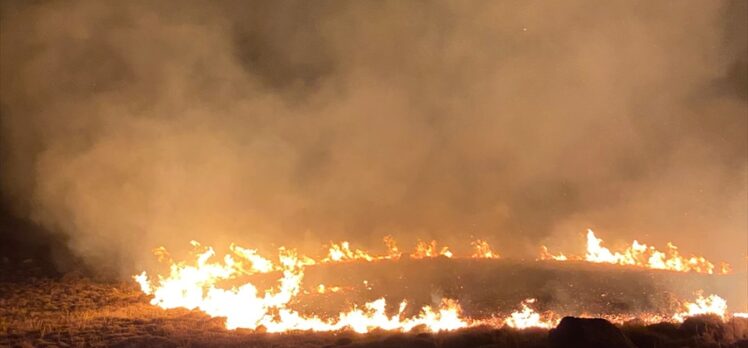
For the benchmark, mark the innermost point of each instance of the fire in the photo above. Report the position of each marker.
(482, 250)
(424, 250)
(546, 255)
(258, 263)
(200, 286)
(195, 287)
(641, 255)
(343, 252)
(527, 318)
(711, 304)
(145, 285)
(393, 251)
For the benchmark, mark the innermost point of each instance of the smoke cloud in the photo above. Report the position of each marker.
(128, 125)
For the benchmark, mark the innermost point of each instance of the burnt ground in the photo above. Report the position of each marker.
(38, 309)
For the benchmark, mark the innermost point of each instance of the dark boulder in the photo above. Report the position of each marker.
(587, 333)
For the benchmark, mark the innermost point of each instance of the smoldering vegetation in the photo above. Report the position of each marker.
(128, 125)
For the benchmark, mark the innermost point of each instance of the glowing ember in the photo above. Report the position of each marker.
(322, 289)
(641, 255)
(527, 318)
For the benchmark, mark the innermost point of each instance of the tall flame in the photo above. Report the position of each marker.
(642, 255)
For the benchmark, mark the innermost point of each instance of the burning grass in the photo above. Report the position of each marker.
(76, 311)
(228, 287)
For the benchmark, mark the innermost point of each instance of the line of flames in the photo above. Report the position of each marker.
(640, 255)
(195, 286)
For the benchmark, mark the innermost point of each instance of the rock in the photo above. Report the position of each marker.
(587, 333)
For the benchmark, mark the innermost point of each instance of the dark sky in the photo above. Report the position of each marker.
(127, 125)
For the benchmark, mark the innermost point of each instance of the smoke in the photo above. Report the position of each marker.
(127, 125)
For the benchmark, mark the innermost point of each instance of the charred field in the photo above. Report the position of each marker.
(47, 310)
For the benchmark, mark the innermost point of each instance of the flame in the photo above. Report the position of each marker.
(258, 263)
(145, 285)
(482, 250)
(195, 287)
(546, 255)
(199, 286)
(343, 252)
(424, 250)
(527, 318)
(393, 251)
(711, 304)
(641, 255)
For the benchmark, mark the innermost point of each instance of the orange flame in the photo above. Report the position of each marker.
(527, 318)
(640, 255)
(482, 250)
(546, 255)
(196, 286)
(343, 252)
(393, 251)
(424, 250)
(711, 304)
